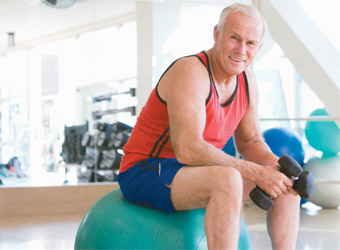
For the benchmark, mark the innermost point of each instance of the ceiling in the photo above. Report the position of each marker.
(34, 22)
(32, 19)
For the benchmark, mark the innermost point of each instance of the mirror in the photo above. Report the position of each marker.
(69, 84)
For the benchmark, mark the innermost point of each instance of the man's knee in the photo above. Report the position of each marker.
(289, 200)
(227, 180)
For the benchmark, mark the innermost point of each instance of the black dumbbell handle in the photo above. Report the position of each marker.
(289, 167)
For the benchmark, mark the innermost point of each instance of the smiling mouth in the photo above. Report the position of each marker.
(236, 59)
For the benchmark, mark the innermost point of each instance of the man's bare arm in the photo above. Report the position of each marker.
(251, 146)
(185, 88)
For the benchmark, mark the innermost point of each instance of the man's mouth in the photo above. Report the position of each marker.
(236, 59)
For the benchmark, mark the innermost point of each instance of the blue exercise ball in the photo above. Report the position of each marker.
(229, 147)
(323, 135)
(283, 141)
(114, 223)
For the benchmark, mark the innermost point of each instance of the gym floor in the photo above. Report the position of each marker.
(319, 229)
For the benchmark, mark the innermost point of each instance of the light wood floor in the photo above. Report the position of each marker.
(319, 229)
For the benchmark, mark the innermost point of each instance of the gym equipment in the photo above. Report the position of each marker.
(323, 135)
(229, 147)
(103, 148)
(98, 114)
(108, 97)
(114, 223)
(118, 139)
(110, 159)
(85, 139)
(73, 150)
(101, 139)
(91, 158)
(326, 171)
(119, 135)
(291, 168)
(101, 126)
(283, 141)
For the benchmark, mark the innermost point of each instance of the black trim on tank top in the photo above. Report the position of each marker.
(223, 105)
(210, 76)
(158, 96)
(162, 145)
(246, 84)
(157, 143)
(232, 97)
(201, 60)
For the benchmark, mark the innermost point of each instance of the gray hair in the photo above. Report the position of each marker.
(248, 10)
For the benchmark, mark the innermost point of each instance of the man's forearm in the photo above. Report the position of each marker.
(260, 153)
(205, 154)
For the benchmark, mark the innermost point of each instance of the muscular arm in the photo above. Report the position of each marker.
(185, 88)
(251, 146)
(248, 137)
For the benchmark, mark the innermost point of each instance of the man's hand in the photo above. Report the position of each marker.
(273, 182)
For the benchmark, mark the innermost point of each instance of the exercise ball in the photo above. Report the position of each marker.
(283, 141)
(229, 147)
(114, 223)
(325, 169)
(323, 135)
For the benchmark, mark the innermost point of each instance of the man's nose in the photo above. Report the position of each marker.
(241, 48)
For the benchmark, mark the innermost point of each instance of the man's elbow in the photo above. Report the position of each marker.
(184, 153)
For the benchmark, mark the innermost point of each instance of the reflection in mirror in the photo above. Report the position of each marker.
(69, 86)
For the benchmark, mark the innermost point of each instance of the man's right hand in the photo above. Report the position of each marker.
(273, 182)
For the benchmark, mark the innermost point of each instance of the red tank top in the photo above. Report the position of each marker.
(151, 136)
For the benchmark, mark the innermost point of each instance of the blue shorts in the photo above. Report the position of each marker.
(144, 183)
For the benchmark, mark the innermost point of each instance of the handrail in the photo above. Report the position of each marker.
(313, 118)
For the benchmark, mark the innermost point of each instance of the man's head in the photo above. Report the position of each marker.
(248, 10)
(238, 37)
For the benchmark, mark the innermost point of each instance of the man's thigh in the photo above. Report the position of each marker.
(191, 187)
(188, 188)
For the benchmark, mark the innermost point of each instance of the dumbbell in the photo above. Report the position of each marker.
(304, 183)
(101, 126)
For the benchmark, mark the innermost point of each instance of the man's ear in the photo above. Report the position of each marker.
(216, 33)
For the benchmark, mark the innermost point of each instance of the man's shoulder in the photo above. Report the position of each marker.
(190, 64)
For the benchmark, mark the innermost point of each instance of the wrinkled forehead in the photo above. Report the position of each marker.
(244, 25)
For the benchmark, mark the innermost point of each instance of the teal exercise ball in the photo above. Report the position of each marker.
(326, 172)
(323, 135)
(114, 223)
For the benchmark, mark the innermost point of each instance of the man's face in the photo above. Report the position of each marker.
(238, 42)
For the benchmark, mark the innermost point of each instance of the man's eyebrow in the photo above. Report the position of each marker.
(250, 40)
(235, 33)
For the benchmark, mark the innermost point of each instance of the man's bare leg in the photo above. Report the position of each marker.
(283, 222)
(282, 219)
(219, 189)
